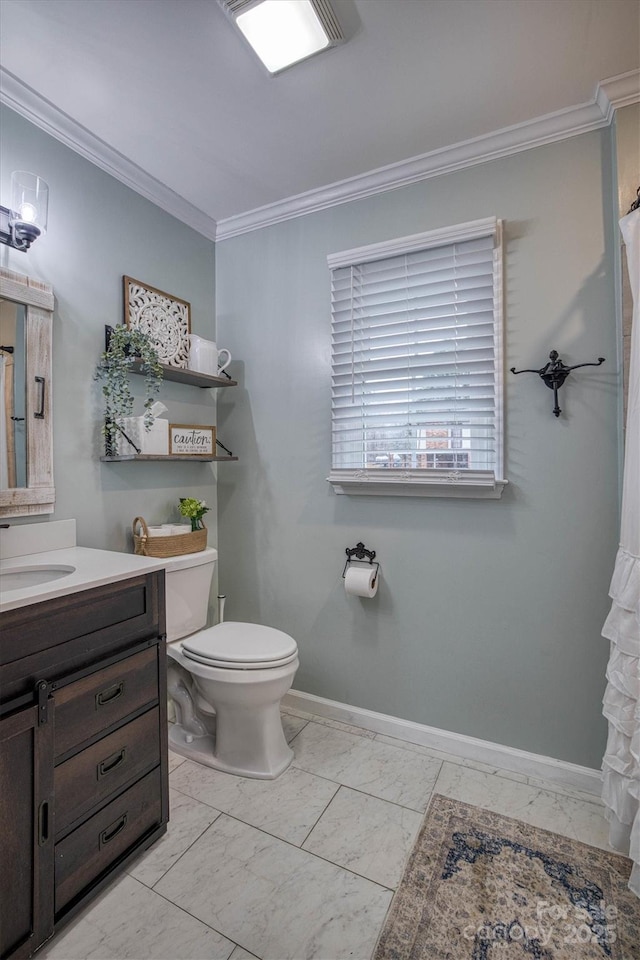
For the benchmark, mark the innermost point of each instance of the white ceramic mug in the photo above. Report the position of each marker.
(204, 356)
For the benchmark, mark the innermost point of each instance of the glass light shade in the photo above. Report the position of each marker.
(29, 201)
(283, 32)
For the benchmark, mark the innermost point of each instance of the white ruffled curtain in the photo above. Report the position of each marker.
(621, 763)
(4, 460)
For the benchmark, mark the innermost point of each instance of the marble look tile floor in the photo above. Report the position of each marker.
(304, 866)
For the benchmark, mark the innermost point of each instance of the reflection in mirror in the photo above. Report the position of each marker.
(13, 443)
(26, 430)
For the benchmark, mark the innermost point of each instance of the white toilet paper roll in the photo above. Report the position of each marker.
(361, 581)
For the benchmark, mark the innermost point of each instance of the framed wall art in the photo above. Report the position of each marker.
(165, 318)
(192, 439)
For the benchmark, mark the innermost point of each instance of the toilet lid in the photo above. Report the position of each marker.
(244, 646)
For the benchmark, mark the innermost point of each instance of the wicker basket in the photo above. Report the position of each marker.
(171, 546)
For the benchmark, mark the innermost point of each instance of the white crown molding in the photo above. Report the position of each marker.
(502, 143)
(43, 114)
(561, 125)
(611, 94)
(617, 92)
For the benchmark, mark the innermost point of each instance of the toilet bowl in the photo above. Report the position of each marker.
(226, 682)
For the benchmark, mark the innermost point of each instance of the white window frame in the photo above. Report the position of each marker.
(436, 482)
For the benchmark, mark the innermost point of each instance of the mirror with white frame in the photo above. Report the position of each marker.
(26, 430)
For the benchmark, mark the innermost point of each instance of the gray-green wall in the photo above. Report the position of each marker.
(99, 230)
(488, 618)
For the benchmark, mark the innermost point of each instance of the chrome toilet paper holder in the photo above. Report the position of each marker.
(360, 552)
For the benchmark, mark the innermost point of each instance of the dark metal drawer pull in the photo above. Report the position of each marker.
(43, 823)
(110, 694)
(39, 413)
(109, 833)
(111, 763)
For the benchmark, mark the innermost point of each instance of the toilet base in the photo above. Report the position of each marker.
(202, 750)
(229, 718)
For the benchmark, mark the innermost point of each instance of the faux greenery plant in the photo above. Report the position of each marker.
(126, 346)
(195, 510)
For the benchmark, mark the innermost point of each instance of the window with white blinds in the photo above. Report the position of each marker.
(417, 364)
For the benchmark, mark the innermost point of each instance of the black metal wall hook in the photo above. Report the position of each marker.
(555, 372)
(360, 552)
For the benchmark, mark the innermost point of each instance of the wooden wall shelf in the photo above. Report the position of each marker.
(159, 456)
(191, 377)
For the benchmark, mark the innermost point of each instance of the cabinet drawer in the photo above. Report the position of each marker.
(87, 852)
(88, 706)
(95, 773)
(72, 627)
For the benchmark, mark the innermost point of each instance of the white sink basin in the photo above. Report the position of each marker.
(17, 577)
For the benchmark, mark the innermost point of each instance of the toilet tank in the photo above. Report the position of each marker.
(188, 584)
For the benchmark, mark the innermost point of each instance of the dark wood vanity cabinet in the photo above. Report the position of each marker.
(83, 750)
(26, 807)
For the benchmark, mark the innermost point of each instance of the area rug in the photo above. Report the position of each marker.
(480, 886)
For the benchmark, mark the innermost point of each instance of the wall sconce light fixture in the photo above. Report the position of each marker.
(284, 32)
(26, 219)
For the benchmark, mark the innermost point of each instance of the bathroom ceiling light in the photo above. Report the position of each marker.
(26, 219)
(284, 32)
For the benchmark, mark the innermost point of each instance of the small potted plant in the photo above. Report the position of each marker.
(126, 346)
(194, 510)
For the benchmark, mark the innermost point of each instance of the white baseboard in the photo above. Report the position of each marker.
(560, 772)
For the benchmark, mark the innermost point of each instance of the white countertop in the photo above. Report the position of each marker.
(93, 568)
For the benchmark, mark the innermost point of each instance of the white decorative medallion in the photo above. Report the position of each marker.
(165, 318)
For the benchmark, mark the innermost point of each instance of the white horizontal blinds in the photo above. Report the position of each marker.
(414, 365)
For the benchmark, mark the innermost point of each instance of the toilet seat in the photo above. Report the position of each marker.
(240, 646)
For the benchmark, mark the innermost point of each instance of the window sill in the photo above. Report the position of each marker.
(479, 485)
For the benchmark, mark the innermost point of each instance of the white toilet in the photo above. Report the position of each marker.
(227, 681)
